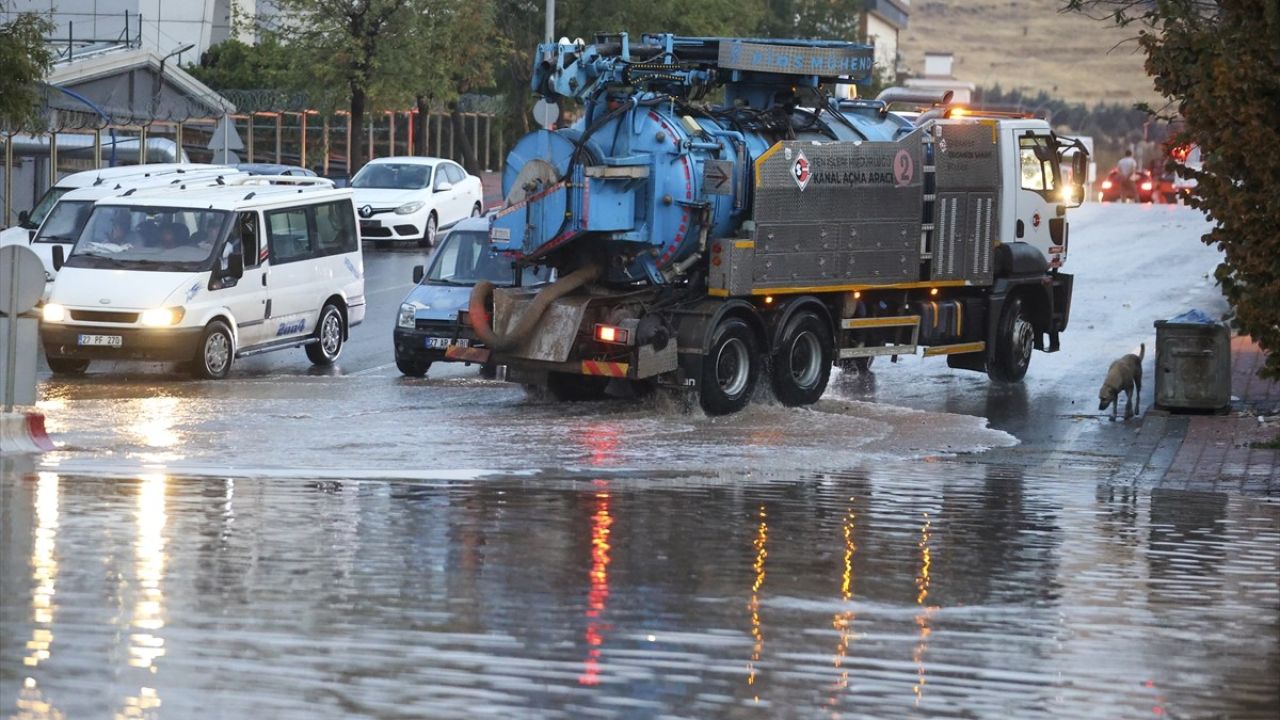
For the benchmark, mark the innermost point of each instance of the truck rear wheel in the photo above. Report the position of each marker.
(802, 361)
(1015, 339)
(730, 368)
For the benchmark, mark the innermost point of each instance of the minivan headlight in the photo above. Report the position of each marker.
(54, 312)
(406, 317)
(162, 317)
(410, 208)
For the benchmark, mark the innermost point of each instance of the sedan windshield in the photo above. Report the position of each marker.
(149, 238)
(393, 176)
(65, 222)
(465, 258)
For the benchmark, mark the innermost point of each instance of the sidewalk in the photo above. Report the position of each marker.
(1213, 452)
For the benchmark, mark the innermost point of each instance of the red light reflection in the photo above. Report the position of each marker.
(598, 595)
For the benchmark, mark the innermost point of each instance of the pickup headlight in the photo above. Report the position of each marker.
(162, 317)
(406, 318)
(54, 312)
(410, 208)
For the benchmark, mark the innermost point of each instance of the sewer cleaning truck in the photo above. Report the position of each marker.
(718, 218)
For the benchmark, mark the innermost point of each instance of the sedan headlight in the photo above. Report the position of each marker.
(410, 208)
(54, 312)
(407, 315)
(162, 317)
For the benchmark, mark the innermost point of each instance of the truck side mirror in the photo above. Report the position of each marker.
(59, 257)
(23, 217)
(1079, 171)
(235, 266)
(418, 273)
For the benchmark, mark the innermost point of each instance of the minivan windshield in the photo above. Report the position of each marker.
(393, 176)
(65, 222)
(464, 258)
(42, 208)
(160, 239)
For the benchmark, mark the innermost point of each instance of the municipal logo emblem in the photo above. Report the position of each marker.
(801, 172)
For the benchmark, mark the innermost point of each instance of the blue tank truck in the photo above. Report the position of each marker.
(717, 215)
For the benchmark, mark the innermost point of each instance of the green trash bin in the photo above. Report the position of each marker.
(1193, 366)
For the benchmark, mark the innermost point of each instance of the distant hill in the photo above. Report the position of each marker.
(1029, 44)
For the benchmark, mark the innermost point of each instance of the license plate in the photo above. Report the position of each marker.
(440, 343)
(101, 340)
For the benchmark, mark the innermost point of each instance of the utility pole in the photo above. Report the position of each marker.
(551, 22)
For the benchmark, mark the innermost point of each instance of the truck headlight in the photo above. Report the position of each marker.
(162, 317)
(410, 208)
(406, 318)
(54, 312)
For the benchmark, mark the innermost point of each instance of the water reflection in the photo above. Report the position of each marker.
(922, 617)
(146, 644)
(31, 702)
(598, 595)
(986, 593)
(757, 631)
(843, 620)
(153, 423)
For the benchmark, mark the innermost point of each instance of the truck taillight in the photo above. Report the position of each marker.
(1106, 184)
(611, 334)
(1146, 185)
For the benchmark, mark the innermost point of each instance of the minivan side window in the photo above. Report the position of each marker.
(335, 228)
(312, 231)
(288, 235)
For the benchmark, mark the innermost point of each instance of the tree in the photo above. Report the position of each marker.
(1219, 65)
(24, 61)
(234, 65)
(358, 44)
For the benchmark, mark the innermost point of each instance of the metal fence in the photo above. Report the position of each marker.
(320, 142)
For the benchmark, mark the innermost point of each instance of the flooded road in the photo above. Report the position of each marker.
(920, 543)
(923, 589)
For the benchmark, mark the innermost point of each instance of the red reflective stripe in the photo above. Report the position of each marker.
(607, 369)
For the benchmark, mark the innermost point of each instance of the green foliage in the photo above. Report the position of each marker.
(234, 65)
(24, 61)
(1219, 63)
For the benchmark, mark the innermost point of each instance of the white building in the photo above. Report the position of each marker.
(189, 26)
(939, 76)
(882, 21)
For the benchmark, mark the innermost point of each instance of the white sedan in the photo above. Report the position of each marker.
(413, 198)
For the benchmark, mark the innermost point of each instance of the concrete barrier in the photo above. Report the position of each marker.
(23, 432)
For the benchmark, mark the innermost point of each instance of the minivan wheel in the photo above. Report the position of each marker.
(68, 366)
(429, 232)
(215, 353)
(329, 334)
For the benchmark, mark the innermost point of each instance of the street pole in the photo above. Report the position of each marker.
(551, 22)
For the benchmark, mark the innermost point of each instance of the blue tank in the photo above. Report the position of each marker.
(649, 175)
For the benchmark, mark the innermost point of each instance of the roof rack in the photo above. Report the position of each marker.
(281, 180)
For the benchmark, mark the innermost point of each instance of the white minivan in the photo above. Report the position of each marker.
(29, 221)
(204, 275)
(70, 212)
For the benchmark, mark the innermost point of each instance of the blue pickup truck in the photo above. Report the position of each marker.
(429, 321)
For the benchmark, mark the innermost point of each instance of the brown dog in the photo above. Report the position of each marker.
(1124, 375)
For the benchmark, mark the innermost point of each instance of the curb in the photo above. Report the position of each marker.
(23, 433)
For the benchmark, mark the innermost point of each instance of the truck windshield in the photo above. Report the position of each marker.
(464, 258)
(65, 222)
(393, 176)
(149, 238)
(47, 201)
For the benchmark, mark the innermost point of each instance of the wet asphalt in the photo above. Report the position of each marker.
(921, 543)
